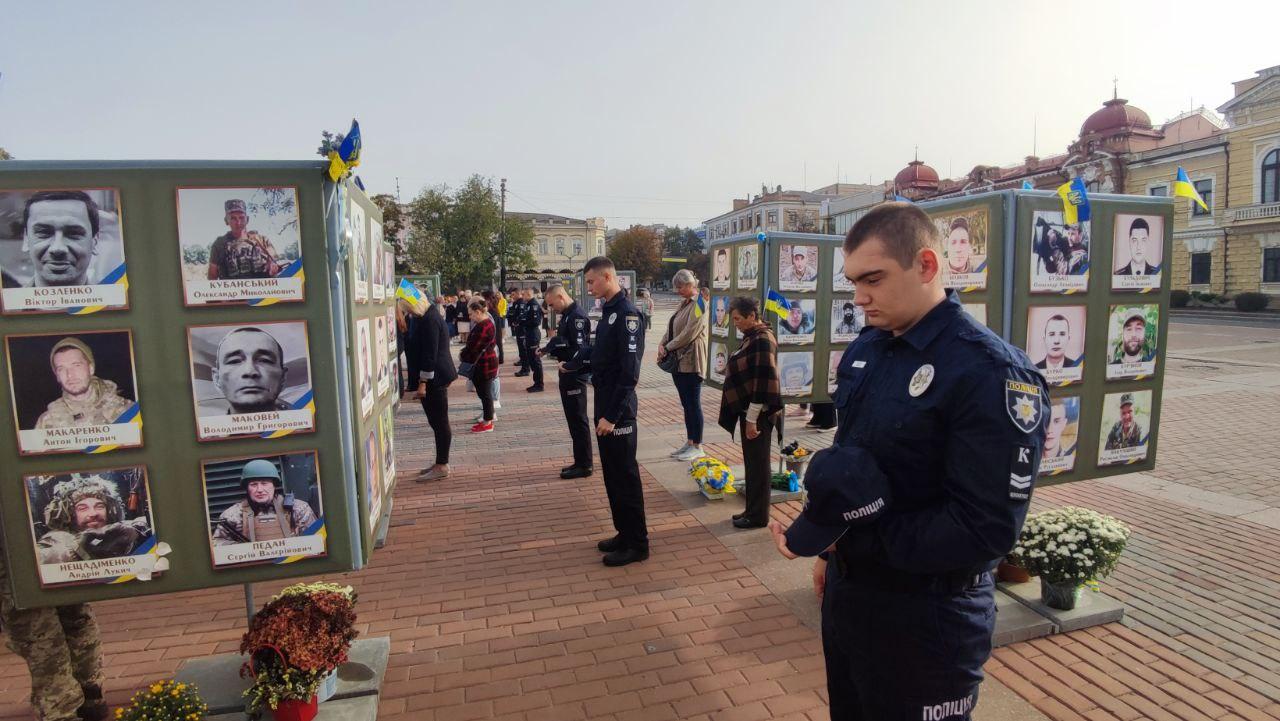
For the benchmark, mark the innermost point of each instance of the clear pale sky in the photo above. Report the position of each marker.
(640, 112)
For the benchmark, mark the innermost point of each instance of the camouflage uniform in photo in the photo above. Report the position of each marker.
(1120, 438)
(63, 654)
(252, 256)
(64, 543)
(102, 406)
(240, 523)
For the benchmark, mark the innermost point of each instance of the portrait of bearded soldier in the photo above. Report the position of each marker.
(86, 521)
(86, 399)
(241, 253)
(267, 513)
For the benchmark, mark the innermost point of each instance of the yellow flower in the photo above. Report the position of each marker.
(156, 688)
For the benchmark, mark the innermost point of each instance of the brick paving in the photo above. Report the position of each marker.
(497, 607)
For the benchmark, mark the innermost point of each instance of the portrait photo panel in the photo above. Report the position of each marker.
(378, 281)
(358, 235)
(1137, 252)
(264, 509)
(798, 327)
(796, 371)
(240, 245)
(721, 267)
(833, 367)
(251, 380)
(1132, 345)
(1059, 253)
(372, 478)
(978, 311)
(748, 267)
(74, 392)
(839, 283)
(719, 361)
(847, 320)
(797, 267)
(62, 250)
(1126, 424)
(379, 354)
(91, 526)
(1055, 342)
(364, 361)
(1062, 436)
(720, 318)
(964, 236)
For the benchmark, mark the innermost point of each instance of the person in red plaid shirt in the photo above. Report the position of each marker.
(480, 360)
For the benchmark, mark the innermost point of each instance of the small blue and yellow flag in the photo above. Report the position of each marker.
(347, 156)
(409, 292)
(1184, 188)
(699, 307)
(777, 304)
(1075, 202)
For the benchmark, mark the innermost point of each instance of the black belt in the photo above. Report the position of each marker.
(889, 579)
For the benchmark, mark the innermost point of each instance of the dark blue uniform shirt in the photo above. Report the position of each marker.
(615, 360)
(533, 319)
(575, 329)
(955, 417)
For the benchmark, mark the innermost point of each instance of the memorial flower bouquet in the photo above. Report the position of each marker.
(165, 700)
(712, 475)
(1068, 548)
(298, 638)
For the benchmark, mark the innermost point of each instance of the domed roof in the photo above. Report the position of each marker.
(916, 175)
(1115, 114)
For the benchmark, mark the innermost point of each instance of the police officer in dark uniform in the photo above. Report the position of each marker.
(533, 317)
(615, 371)
(571, 346)
(954, 418)
(515, 314)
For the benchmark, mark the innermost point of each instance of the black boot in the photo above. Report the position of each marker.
(610, 545)
(576, 472)
(93, 708)
(623, 556)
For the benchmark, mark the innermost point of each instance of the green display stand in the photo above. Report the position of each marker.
(178, 510)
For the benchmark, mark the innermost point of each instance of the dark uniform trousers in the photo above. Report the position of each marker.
(522, 351)
(895, 651)
(622, 484)
(532, 338)
(573, 397)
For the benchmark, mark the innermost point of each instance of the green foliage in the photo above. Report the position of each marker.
(637, 248)
(456, 233)
(1070, 545)
(683, 242)
(393, 225)
(1251, 302)
(1179, 298)
(517, 244)
(329, 141)
(4, 154)
(168, 700)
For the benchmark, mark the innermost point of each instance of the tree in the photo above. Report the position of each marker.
(393, 226)
(637, 248)
(456, 233)
(4, 154)
(681, 242)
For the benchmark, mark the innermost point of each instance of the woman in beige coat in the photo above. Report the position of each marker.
(686, 337)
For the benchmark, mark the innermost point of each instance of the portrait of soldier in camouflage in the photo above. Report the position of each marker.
(87, 519)
(240, 252)
(86, 399)
(266, 513)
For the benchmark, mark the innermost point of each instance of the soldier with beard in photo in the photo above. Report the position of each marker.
(267, 512)
(86, 521)
(86, 399)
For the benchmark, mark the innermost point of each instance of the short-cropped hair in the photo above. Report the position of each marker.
(904, 229)
(598, 263)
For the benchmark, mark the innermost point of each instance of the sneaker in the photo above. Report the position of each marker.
(497, 406)
(480, 418)
(482, 427)
(676, 453)
(692, 453)
(434, 474)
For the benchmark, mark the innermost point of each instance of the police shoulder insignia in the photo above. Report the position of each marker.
(633, 323)
(1020, 473)
(1022, 402)
(612, 318)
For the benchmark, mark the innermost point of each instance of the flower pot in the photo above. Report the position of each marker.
(294, 710)
(328, 687)
(1062, 596)
(798, 465)
(1010, 573)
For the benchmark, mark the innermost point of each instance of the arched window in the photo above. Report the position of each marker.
(1271, 177)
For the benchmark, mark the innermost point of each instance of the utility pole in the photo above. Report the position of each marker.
(502, 240)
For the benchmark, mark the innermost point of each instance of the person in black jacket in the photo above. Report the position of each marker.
(431, 364)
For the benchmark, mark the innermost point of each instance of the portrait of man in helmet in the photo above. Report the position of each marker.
(89, 516)
(270, 507)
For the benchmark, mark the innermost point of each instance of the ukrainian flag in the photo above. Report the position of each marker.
(777, 304)
(347, 156)
(1184, 188)
(1075, 202)
(409, 292)
(699, 307)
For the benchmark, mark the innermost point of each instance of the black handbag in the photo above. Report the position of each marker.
(670, 362)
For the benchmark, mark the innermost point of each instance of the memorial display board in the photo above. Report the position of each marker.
(135, 401)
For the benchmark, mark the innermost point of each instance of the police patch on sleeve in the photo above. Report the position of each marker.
(1022, 401)
(1021, 471)
(633, 324)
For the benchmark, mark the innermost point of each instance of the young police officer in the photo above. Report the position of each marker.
(615, 370)
(532, 331)
(955, 418)
(515, 321)
(572, 348)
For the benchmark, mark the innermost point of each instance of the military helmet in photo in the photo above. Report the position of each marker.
(60, 514)
(259, 469)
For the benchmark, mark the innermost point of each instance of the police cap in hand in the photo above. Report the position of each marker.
(845, 488)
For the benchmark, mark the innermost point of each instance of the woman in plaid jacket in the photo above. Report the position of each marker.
(752, 399)
(480, 352)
